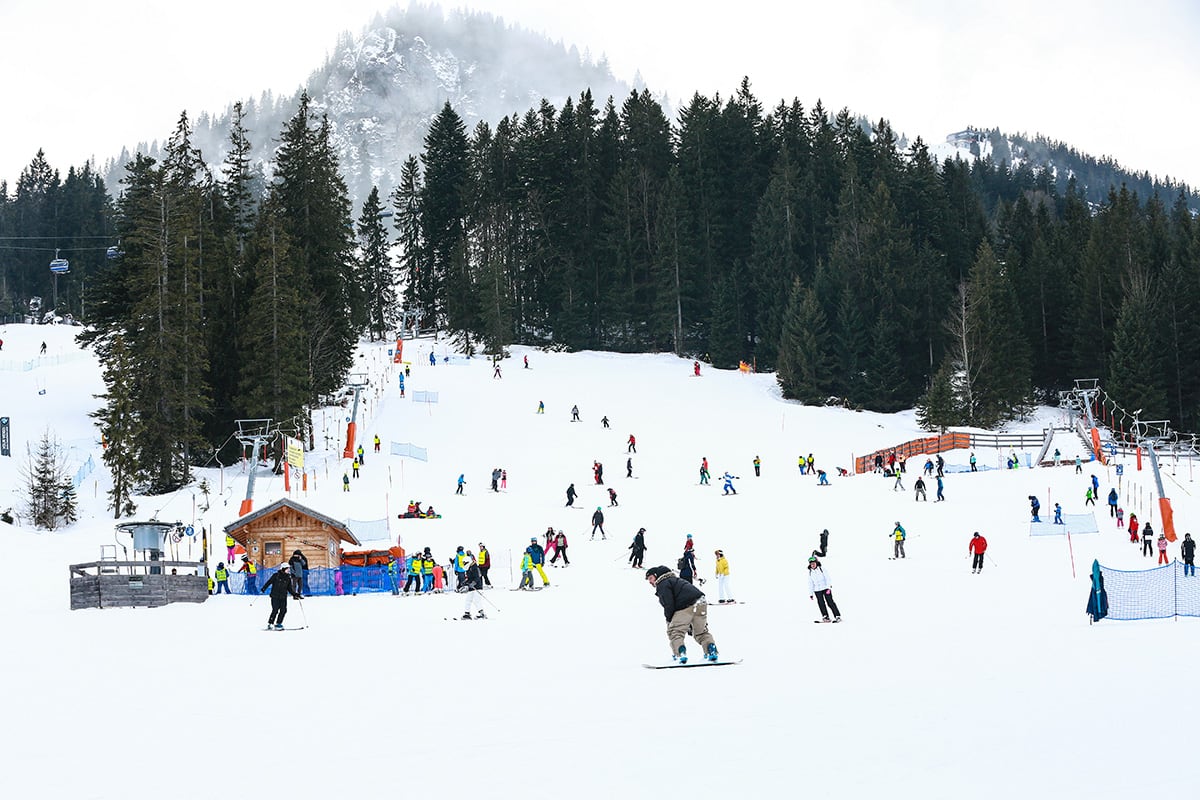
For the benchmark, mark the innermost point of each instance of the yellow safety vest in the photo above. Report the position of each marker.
(427, 566)
(482, 557)
(253, 568)
(229, 541)
(221, 574)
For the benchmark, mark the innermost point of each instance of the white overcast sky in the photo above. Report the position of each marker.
(1111, 77)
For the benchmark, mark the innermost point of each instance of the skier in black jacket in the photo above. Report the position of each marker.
(639, 549)
(471, 583)
(299, 566)
(280, 586)
(571, 495)
(598, 522)
(684, 606)
(1187, 550)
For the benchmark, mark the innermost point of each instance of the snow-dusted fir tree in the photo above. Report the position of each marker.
(49, 495)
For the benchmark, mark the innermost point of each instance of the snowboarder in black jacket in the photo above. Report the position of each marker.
(684, 606)
(280, 586)
(571, 495)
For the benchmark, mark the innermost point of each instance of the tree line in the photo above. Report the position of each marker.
(808, 243)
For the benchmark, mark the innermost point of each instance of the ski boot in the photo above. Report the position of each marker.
(837, 619)
(682, 656)
(466, 615)
(480, 615)
(279, 626)
(711, 655)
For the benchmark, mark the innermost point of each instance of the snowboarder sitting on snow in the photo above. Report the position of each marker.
(684, 607)
(729, 479)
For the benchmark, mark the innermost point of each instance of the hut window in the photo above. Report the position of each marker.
(273, 548)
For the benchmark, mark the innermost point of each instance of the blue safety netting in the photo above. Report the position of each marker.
(1151, 593)
(344, 580)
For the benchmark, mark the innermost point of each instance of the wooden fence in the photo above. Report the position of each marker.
(949, 441)
(126, 584)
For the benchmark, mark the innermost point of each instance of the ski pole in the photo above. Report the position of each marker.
(485, 597)
(989, 558)
(300, 603)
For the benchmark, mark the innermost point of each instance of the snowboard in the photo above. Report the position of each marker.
(700, 663)
(823, 621)
(460, 619)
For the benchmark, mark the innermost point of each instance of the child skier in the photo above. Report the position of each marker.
(729, 479)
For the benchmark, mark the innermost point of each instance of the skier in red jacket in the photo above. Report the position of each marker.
(977, 547)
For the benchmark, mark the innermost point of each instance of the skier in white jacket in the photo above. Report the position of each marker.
(820, 587)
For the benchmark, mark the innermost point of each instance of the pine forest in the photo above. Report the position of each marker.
(798, 241)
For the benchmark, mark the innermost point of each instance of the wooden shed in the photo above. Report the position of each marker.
(272, 533)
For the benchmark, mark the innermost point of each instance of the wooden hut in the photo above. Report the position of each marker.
(272, 533)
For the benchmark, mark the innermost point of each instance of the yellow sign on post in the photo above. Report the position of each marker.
(295, 452)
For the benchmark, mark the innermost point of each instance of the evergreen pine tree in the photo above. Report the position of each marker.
(119, 424)
(444, 212)
(805, 359)
(313, 205)
(936, 410)
(1137, 374)
(378, 274)
(44, 472)
(274, 375)
(418, 295)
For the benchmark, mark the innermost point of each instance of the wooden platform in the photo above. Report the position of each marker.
(128, 584)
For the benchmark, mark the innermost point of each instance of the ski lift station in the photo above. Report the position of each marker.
(142, 577)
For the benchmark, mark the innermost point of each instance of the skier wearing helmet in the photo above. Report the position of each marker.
(280, 586)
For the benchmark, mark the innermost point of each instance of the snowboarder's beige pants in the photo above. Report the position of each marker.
(695, 616)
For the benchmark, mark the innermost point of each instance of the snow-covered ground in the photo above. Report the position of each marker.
(938, 684)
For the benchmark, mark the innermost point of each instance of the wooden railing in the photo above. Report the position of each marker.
(949, 441)
(135, 568)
